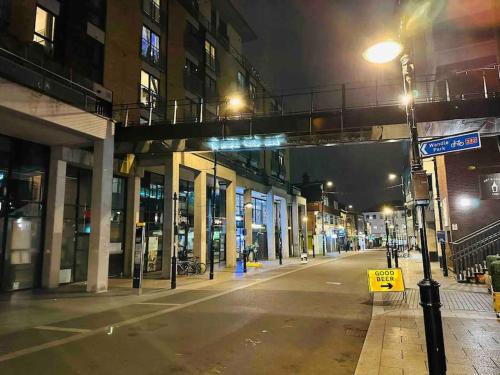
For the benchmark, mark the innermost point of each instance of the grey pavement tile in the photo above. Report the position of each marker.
(461, 370)
(483, 370)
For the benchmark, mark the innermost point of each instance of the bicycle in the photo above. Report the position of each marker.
(196, 267)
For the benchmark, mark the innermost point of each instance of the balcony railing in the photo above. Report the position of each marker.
(43, 79)
(151, 9)
(151, 100)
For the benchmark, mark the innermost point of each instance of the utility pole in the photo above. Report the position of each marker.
(323, 219)
(387, 248)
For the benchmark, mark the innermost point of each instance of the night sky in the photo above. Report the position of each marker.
(311, 43)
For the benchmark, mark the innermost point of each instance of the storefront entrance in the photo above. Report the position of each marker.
(219, 236)
(76, 226)
(23, 170)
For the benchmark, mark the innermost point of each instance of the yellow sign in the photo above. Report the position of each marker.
(386, 280)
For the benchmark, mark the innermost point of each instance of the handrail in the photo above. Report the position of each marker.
(476, 233)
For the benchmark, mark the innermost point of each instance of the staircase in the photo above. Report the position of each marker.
(469, 253)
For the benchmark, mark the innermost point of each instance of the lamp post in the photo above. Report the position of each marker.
(429, 288)
(387, 212)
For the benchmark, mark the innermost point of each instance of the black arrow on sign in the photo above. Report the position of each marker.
(388, 285)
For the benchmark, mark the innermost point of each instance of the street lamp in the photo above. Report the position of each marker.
(380, 53)
(387, 211)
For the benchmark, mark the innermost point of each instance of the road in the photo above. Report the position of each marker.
(295, 320)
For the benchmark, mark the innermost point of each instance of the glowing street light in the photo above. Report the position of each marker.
(235, 103)
(392, 176)
(387, 211)
(350, 206)
(329, 184)
(383, 52)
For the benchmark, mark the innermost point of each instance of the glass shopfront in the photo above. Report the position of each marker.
(186, 219)
(219, 235)
(117, 229)
(151, 213)
(23, 171)
(240, 223)
(259, 228)
(76, 225)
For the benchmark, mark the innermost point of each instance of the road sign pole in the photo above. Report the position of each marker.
(387, 248)
(429, 289)
(173, 276)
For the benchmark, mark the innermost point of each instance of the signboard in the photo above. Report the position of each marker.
(489, 186)
(441, 236)
(386, 280)
(454, 143)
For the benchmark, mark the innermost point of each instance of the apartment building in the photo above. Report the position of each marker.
(131, 63)
(56, 141)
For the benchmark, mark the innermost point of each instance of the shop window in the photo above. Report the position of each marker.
(44, 28)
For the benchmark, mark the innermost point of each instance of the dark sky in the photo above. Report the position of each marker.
(311, 43)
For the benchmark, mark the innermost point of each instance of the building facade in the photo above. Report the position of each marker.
(71, 72)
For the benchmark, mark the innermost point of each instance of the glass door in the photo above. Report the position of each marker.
(76, 227)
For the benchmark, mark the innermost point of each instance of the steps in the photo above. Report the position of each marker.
(469, 253)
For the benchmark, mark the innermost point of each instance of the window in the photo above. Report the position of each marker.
(191, 68)
(149, 89)
(210, 54)
(44, 28)
(240, 78)
(252, 90)
(278, 164)
(152, 9)
(210, 86)
(150, 46)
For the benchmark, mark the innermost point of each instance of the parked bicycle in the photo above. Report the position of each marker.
(191, 266)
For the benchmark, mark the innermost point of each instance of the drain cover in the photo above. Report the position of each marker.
(355, 332)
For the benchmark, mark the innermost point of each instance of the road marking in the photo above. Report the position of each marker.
(333, 283)
(83, 335)
(63, 329)
(157, 304)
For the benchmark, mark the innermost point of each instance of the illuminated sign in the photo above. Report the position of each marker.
(246, 143)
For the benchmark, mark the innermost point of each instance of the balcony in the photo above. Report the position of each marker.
(41, 76)
(193, 84)
(152, 10)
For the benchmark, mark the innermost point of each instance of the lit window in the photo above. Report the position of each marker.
(252, 90)
(150, 45)
(44, 28)
(210, 54)
(241, 80)
(149, 89)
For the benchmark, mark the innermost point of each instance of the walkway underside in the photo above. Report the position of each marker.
(325, 128)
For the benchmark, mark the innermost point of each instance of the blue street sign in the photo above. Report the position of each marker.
(454, 143)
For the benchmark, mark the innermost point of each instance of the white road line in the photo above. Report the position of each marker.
(63, 329)
(83, 335)
(157, 304)
(333, 283)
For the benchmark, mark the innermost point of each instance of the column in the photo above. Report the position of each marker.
(285, 249)
(231, 224)
(171, 187)
(200, 216)
(247, 198)
(296, 222)
(102, 179)
(54, 220)
(271, 249)
(133, 202)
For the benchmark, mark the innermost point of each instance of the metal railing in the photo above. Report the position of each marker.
(152, 9)
(469, 253)
(42, 78)
(339, 97)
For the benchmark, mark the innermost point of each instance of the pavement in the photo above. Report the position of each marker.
(289, 319)
(395, 342)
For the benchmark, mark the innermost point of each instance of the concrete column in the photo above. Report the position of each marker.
(102, 179)
(285, 252)
(171, 187)
(296, 222)
(54, 221)
(200, 216)
(133, 202)
(247, 198)
(271, 249)
(231, 224)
